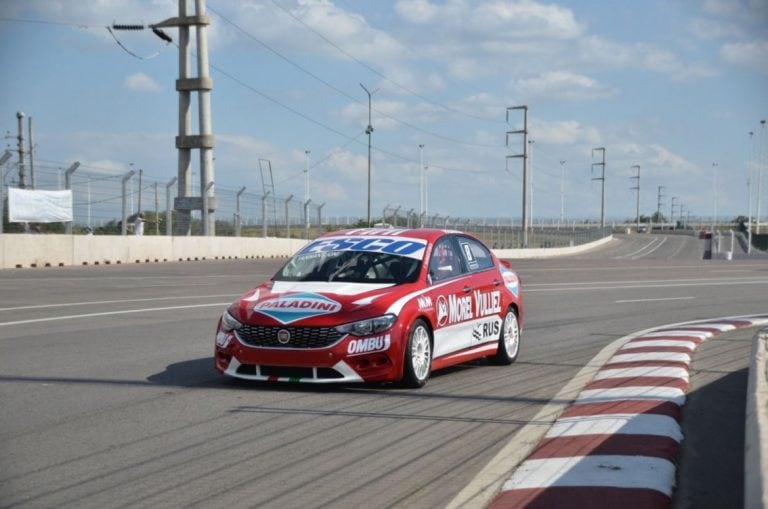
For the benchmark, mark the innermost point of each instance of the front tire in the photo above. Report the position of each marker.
(509, 341)
(417, 364)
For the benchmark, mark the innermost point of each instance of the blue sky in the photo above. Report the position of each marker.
(672, 86)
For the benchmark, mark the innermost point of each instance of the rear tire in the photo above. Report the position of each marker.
(417, 362)
(509, 340)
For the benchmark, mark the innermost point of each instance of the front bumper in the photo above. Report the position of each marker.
(333, 364)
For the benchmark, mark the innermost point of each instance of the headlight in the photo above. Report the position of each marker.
(368, 327)
(228, 322)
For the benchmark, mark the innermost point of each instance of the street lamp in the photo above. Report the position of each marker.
(562, 192)
(760, 173)
(369, 131)
(714, 201)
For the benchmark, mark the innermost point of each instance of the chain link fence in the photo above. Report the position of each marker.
(104, 199)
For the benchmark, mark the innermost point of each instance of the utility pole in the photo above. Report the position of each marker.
(672, 212)
(524, 155)
(31, 154)
(658, 205)
(22, 176)
(369, 131)
(602, 180)
(637, 188)
(530, 175)
(185, 203)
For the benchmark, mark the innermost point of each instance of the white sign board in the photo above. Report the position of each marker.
(34, 206)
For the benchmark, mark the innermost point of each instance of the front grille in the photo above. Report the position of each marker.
(301, 337)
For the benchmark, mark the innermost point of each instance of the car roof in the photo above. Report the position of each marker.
(428, 234)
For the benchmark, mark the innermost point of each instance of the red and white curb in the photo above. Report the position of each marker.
(616, 444)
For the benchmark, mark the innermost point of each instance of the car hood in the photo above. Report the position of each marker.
(314, 303)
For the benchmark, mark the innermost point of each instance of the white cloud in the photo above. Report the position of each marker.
(751, 55)
(566, 132)
(562, 85)
(500, 19)
(416, 11)
(141, 82)
(669, 162)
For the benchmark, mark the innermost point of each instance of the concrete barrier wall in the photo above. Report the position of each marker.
(28, 250)
(756, 425)
(549, 252)
(19, 250)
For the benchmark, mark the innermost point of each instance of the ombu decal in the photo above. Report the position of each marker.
(368, 345)
(297, 306)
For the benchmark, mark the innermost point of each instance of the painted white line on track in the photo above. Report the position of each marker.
(120, 301)
(109, 313)
(653, 300)
(616, 471)
(652, 250)
(763, 281)
(654, 242)
(645, 281)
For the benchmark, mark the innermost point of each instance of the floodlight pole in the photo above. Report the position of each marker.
(68, 187)
(369, 131)
(637, 188)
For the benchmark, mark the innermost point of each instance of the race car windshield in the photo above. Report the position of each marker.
(351, 267)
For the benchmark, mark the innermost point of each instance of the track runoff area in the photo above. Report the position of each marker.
(616, 444)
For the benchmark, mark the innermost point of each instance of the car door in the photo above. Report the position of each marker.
(485, 285)
(451, 295)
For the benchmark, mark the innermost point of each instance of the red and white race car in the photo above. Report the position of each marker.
(374, 305)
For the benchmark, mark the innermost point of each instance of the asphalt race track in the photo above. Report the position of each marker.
(109, 397)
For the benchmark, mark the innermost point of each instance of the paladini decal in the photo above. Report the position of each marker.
(293, 307)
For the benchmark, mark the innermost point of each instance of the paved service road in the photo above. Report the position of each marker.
(109, 398)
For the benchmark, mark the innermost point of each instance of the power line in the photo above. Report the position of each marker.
(375, 71)
(343, 92)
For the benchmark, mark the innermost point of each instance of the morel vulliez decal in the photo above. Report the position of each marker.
(297, 306)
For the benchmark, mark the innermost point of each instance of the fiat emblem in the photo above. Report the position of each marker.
(283, 336)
